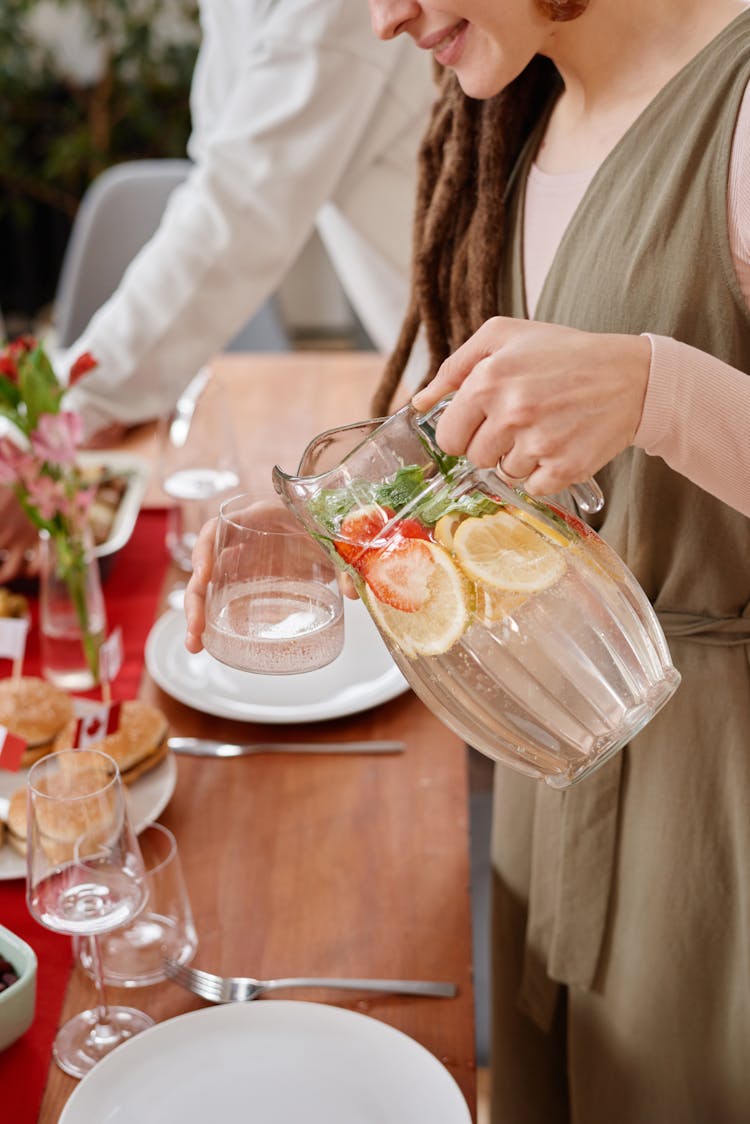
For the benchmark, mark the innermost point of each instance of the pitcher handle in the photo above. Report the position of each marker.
(587, 493)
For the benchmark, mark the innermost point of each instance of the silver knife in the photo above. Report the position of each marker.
(207, 747)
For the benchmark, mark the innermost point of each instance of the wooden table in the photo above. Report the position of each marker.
(325, 865)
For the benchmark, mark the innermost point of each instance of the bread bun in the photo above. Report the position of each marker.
(137, 745)
(15, 823)
(34, 710)
(61, 826)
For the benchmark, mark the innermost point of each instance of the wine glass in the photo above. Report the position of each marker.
(198, 463)
(85, 876)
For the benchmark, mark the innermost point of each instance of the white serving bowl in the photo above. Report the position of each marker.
(17, 1002)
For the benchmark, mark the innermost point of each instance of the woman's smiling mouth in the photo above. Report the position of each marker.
(446, 44)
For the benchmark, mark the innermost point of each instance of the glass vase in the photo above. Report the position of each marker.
(72, 616)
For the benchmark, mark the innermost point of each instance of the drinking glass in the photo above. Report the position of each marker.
(198, 464)
(85, 876)
(273, 605)
(133, 955)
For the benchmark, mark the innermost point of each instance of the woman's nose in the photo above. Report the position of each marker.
(391, 17)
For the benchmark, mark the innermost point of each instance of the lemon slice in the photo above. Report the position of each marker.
(543, 527)
(501, 552)
(445, 528)
(435, 627)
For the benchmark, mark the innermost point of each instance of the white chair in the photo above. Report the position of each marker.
(118, 214)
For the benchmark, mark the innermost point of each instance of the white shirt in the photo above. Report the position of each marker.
(301, 118)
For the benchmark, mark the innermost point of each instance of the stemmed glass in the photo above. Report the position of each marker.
(198, 463)
(85, 876)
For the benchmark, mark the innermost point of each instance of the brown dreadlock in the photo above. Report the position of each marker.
(466, 158)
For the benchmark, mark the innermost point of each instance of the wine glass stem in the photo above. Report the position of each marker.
(103, 1028)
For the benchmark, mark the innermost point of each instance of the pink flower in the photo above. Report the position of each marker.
(47, 496)
(8, 473)
(77, 506)
(56, 437)
(13, 461)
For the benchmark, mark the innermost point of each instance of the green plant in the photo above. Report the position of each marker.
(59, 128)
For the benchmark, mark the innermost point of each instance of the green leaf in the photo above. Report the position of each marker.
(446, 503)
(9, 392)
(330, 506)
(39, 387)
(403, 489)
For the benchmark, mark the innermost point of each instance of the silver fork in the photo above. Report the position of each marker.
(239, 989)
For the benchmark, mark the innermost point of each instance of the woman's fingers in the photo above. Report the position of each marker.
(549, 404)
(195, 593)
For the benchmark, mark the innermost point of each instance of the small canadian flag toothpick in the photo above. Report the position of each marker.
(95, 725)
(110, 656)
(12, 749)
(13, 631)
(110, 662)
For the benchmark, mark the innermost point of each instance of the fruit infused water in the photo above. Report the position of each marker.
(509, 617)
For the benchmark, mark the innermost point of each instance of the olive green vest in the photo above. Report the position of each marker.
(648, 250)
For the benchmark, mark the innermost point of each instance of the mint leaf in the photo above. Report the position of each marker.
(444, 503)
(403, 489)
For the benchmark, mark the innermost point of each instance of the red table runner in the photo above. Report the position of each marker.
(131, 589)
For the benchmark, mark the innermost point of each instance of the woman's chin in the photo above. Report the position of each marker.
(479, 86)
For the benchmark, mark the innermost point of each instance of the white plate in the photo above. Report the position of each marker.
(269, 1062)
(364, 675)
(147, 798)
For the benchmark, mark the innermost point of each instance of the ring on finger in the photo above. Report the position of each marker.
(508, 476)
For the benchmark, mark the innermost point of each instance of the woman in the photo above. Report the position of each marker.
(586, 166)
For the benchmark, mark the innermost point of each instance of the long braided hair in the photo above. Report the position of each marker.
(465, 161)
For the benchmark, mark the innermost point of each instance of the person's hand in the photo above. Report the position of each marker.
(106, 437)
(549, 405)
(195, 592)
(19, 556)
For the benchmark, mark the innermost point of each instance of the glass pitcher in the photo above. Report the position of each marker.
(509, 617)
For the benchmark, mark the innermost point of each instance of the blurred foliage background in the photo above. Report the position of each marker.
(83, 84)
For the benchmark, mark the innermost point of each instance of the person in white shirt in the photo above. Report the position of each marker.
(300, 119)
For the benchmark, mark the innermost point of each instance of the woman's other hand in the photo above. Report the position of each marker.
(553, 404)
(19, 556)
(195, 593)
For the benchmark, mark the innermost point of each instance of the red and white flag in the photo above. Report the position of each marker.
(110, 656)
(95, 725)
(13, 632)
(11, 750)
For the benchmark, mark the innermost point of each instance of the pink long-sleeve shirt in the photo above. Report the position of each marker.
(696, 414)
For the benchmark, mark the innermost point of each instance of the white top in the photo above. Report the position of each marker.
(301, 118)
(696, 415)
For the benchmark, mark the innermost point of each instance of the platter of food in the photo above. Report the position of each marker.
(120, 480)
(44, 717)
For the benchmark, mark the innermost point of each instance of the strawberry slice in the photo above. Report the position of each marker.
(399, 574)
(411, 529)
(360, 527)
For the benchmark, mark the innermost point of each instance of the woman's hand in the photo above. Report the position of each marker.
(551, 405)
(19, 556)
(195, 593)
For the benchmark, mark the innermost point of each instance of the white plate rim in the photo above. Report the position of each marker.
(265, 1018)
(169, 629)
(147, 798)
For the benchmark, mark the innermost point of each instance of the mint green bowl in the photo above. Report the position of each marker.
(17, 1002)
